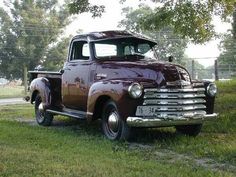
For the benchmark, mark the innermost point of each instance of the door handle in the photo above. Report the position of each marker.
(100, 76)
(64, 69)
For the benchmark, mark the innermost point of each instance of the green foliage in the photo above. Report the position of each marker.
(192, 19)
(228, 45)
(27, 34)
(168, 43)
(81, 6)
(56, 55)
(228, 50)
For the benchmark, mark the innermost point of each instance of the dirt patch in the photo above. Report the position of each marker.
(173, 157)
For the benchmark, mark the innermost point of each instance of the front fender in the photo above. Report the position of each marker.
(117, 91)
(40, 85)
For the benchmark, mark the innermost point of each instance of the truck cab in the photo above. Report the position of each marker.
(116, 76)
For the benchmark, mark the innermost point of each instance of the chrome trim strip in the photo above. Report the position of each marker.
(175, 90)
(159, 122)
(73, 111)
(174, 95)
(166, 114)
(66, 114)
(173, 101)
(89, 113)
(198, 84)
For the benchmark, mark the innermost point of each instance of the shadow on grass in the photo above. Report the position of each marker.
(139, 135)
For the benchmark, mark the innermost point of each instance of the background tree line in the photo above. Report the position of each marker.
(31, 30)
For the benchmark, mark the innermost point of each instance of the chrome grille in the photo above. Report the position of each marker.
(166, 103)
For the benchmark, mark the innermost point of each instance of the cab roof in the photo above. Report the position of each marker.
(106, 35)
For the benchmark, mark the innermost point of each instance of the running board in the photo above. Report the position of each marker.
(69, 113)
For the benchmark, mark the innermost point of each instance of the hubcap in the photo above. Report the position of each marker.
(40, 113)
(41, 108)
(113, 121)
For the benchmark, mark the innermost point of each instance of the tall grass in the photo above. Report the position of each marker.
(11, 91)
(225, 105)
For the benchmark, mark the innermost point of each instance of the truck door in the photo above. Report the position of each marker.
(75, 79)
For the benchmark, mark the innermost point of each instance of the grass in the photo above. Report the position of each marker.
(35, 151)
(72, 148)
(11, 91)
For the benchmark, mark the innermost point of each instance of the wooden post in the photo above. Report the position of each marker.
(25, 80)
(193, 69)
(216, 70)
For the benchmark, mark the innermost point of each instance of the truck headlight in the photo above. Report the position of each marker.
(211, 89)
(135, 90)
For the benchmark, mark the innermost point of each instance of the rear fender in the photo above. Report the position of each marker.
(41, 85)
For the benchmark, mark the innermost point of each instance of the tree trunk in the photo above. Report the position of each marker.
(234, 22)
(25, 79)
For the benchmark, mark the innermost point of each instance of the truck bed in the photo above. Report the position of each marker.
(54, 79)
(47, 74)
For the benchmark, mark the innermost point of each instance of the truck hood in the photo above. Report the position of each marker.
(149, 71)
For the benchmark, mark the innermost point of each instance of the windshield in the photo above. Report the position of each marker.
(124, 49)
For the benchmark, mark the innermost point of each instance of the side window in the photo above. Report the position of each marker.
(128, 50)
(85, 50)
(143, 48)
(80, 51)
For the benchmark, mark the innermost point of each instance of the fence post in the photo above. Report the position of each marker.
(216, 70)
(25, 79)
(193, 69)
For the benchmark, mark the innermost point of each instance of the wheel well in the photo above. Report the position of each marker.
(34, 94)
(99, 106)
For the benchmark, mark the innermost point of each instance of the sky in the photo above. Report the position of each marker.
(113, 14)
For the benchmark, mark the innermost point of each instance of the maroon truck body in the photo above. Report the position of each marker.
(109, 76)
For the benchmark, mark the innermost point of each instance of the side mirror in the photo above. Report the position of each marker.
(170, 58)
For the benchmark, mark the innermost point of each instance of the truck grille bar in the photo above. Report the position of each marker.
(166, 103)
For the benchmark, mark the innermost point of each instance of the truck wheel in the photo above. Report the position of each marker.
(191, 130)
(42, 117)
(114, 128)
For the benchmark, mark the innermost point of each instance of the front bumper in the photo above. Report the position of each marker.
(169, 121)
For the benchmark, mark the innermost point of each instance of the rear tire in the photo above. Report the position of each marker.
(42, 117)
(114, 128)
(190, 130)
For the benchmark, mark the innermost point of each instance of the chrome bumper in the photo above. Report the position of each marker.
(169, 121)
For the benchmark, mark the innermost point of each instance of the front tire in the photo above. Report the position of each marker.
(114, 128)
(190, 130)
(42, 117)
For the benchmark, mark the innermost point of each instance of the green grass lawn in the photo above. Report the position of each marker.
(11, 91)
(72, 148)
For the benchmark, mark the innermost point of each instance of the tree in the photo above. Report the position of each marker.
(192, 19)
(81, 6)
(168, 43)
(27, 34)
(228, 45)
(56, 55)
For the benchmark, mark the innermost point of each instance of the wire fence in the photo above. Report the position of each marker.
(214, 72)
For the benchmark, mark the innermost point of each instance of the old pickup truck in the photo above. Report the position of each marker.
(115, 76)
